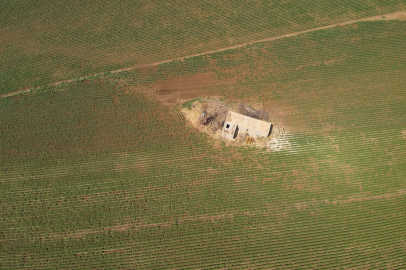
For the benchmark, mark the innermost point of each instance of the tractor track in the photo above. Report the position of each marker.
(401, 15)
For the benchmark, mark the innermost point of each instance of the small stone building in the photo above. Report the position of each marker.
(237, 123)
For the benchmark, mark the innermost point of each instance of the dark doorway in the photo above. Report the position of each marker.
(236, 132)
(270, 130)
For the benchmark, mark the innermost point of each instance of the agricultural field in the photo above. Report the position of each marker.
(45, 41)
(107, 174)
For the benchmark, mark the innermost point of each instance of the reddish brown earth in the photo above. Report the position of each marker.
(182, 88)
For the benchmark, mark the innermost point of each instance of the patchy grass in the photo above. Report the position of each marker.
(188, 104)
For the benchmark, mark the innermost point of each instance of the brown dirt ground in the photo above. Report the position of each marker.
(181, 88)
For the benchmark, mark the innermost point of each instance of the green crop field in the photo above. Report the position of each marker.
(104, 174)
(46, 41)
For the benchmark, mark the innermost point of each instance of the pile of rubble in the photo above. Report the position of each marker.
(214, 113)
(247, 110)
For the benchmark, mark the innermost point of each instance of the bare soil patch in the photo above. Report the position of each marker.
(116, 99)
(80, 254)
(165, 92)
(215, 110)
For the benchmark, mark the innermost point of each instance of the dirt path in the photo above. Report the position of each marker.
(401, 15)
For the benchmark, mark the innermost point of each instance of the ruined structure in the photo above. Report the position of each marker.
(237, 123)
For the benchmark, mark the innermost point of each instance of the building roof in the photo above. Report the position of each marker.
(249, 122)
(244, 123)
